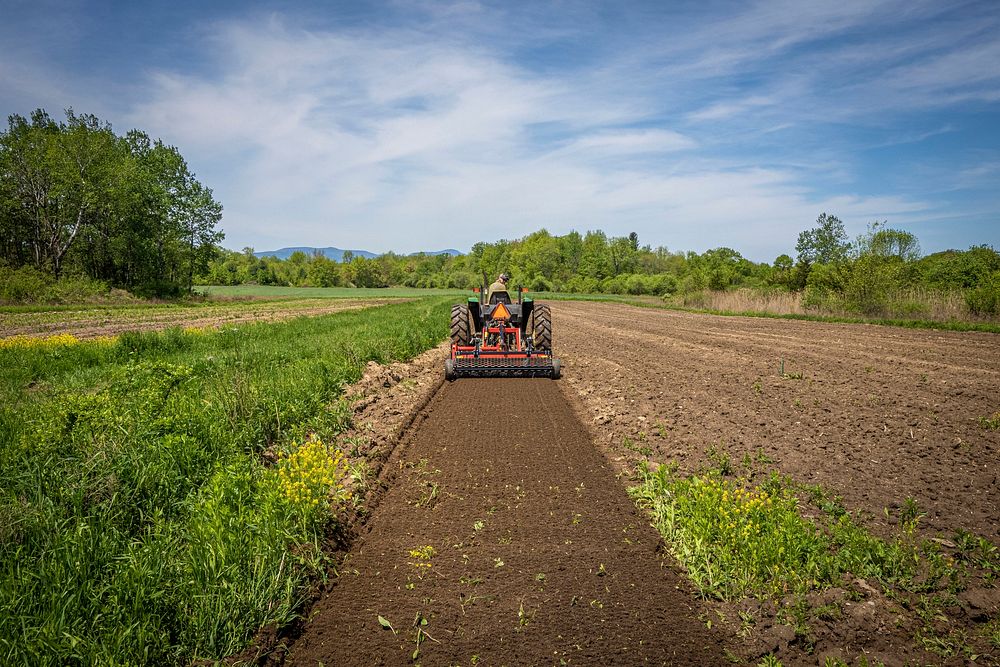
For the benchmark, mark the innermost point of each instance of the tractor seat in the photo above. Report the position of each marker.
(499, 297)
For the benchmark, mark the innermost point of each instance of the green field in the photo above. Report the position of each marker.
(274, 292)
(140, 520)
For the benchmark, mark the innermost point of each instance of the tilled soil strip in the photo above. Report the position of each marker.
(508, 533)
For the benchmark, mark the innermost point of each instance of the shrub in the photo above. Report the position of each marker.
(29, 285)
(985, 299)
(540, 284)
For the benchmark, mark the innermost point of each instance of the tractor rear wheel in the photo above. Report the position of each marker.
(460, 334)
(542, 329)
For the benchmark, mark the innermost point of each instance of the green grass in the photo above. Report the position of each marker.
(274, 292)
(139, 522)
(737, 539)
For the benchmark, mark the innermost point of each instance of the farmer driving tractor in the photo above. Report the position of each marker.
(499, 286)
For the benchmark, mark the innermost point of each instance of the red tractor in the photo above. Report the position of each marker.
(501, 338)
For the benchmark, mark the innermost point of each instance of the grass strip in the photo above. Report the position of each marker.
(140, 520)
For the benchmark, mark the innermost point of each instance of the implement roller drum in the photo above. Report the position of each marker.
(538, 367)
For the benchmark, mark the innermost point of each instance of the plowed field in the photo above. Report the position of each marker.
(506, 535)
(876, 414)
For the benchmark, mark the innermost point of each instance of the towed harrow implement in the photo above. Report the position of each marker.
(492, 336)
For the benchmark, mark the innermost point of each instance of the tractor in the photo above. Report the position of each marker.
(494, 336)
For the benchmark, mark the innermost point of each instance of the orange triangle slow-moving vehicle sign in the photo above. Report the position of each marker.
(501, 313)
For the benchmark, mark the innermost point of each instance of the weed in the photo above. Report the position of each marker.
(422, 556)
(722, 461)
(384, 622)
(523, 617)
(992, 633)
(757, 387)
(420, 634)
(991, 423)
(430, 498)
(769, 661)
(956, 642)
(643, 450)
(735, 541)
(910, 515)
(747, 623)
(310, 474)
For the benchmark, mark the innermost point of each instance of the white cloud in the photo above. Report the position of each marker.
(400, 140)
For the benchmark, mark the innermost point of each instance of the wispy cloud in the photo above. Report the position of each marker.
(440, 125)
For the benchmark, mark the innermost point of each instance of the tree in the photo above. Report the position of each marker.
(595, 259)
(57, 174)
(622, 253)
(884, 242)
(827, 242)
(200, 213)
(124, 210)
(781, 273)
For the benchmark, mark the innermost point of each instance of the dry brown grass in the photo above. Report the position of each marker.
(916, 303)
(746, 301)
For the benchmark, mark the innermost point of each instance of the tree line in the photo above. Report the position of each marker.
(830, 269)
(77, 199)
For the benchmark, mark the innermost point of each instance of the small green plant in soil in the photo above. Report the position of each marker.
(631, 445)
(991, 423)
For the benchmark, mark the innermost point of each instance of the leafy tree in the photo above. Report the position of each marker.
(595, 258)
(886, 243)
(126, 210)
(827, 242)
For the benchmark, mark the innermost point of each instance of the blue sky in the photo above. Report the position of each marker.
(418, 125)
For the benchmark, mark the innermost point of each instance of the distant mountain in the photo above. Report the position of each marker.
(337, 254)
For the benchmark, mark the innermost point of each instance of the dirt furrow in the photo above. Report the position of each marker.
(505, 539)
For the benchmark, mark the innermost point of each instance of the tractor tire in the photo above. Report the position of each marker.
(460, 333)
(542, 329)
